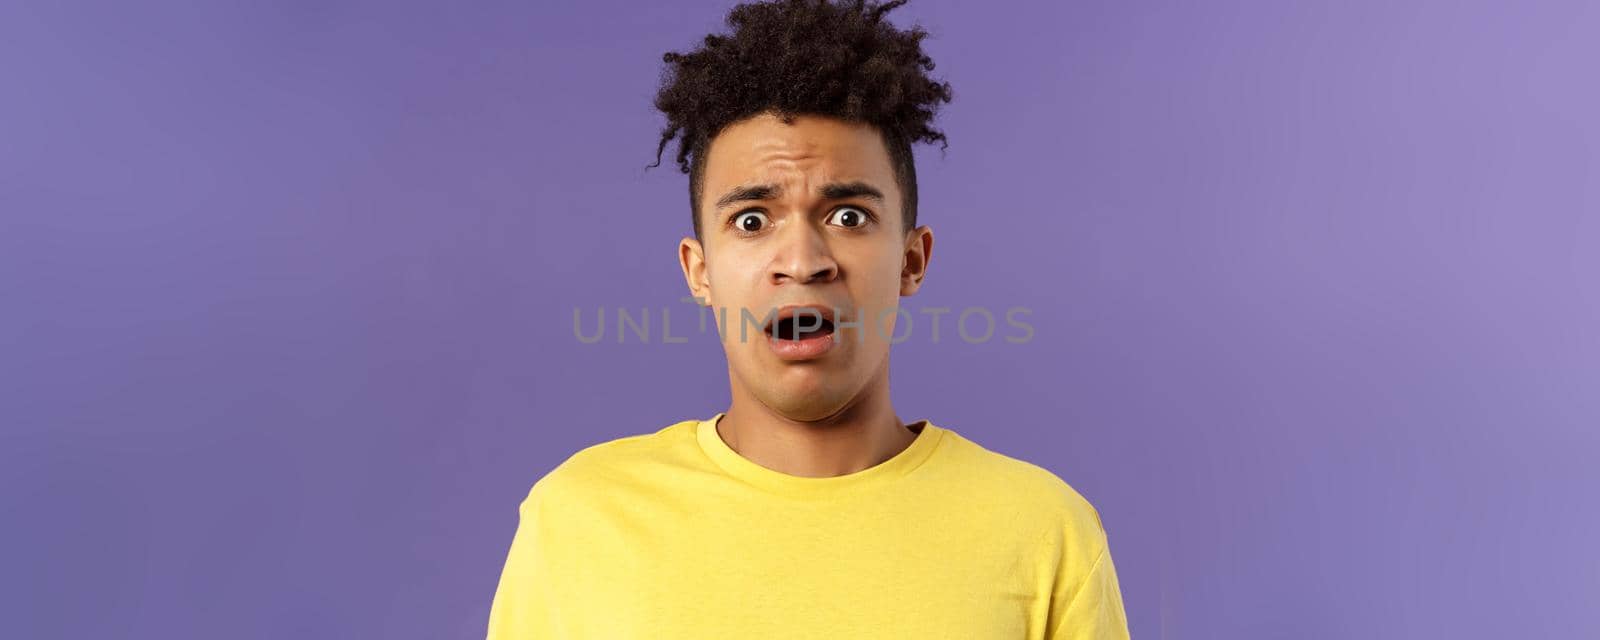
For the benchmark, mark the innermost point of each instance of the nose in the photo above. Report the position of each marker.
(803, 257)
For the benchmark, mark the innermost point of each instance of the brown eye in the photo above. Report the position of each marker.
(750, 221)
(848, 217)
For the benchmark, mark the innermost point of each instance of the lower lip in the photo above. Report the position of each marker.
(804, 349)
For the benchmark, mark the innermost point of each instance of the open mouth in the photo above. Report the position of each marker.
(801, 324)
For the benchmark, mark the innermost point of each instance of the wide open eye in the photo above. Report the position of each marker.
(848, 217)
(751, 221)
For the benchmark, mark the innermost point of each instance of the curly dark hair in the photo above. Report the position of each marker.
(804, 57)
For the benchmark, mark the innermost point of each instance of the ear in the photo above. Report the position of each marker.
(914, 262)
(692, 257)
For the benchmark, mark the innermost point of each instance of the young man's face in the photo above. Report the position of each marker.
(806, 213)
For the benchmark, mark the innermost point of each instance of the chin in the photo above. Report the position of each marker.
(807, 405)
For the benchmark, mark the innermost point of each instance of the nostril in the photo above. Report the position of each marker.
(806, 273)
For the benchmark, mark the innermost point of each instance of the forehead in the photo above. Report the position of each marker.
(764, 148)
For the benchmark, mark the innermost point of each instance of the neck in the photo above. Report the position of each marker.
(862, 434)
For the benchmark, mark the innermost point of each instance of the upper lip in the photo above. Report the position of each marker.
(791, 310)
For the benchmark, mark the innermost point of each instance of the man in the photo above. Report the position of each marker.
(807, 509)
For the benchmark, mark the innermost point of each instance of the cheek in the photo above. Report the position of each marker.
(877, 295)
(889, 322)
(731, 277)
(735, 303)
(879, 279)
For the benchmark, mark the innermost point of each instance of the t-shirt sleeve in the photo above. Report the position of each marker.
(1087, 605)
(522, 607)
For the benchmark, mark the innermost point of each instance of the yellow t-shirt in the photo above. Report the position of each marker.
(673, 535)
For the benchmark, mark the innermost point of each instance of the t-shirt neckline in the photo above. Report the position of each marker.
(776, 481)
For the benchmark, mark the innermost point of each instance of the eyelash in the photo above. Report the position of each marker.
(872, 218)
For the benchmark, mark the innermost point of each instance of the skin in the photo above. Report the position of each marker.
(830, 416)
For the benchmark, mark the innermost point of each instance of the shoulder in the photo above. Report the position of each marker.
(1053, 504)
(595, 467)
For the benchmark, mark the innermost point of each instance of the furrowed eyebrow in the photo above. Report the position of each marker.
(752, 192)
(841, 191)
(832, 191)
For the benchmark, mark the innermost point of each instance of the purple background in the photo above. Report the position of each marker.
(287, 297)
